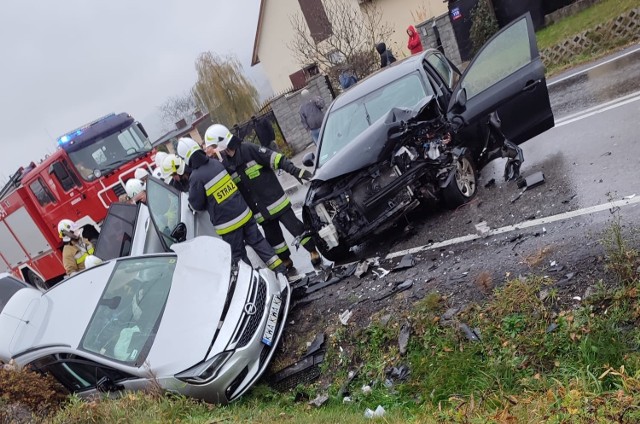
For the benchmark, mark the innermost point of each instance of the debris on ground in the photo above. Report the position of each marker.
(319, 401)
(380, 272)
(344, 317)
(399, 373)
(378, 413)
(482, 228)
(449, 314)
(490, 183)
(403, 337)
(567, 277)
(407, 284)
(406, 262)
(304, 371)
(362, 269)
(551, 327)
(470, 334)
(366, 390)
(344, 389)
(519, 195)
(629, 197)
(316, 345)
(531, 181)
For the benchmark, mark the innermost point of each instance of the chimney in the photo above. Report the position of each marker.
(181, 124)
(197, 113)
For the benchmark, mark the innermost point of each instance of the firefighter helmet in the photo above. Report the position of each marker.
(171, 165)
(92, 261)
(186, 147)
(133, 187)
(158, 173)
(159, 158)
(140, 174)
(66, 229)
(218, 134)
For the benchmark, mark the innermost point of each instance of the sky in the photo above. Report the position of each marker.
(67, 62)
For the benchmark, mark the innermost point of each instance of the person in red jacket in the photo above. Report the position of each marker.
(414, 44)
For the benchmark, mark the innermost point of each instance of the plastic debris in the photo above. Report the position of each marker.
(362, 269)
(346, 399)
(319, 401)
(380, 272)
(406, 262)
(366, 389)
(378, 413)
(629, 197)
(551, 327)
(531, 181)
(403, 337)
(449, 314)
(482, 228)
(578, 298)
(469, 333)
(398, 373)
(344, 317)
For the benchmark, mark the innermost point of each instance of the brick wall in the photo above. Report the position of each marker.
(285, 108)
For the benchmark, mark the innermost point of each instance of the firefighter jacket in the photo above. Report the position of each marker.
(211, 188)
(251, 167)
(74, 253)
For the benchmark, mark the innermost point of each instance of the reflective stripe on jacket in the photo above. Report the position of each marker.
(212, 188)
(252, 168)
(74, 255)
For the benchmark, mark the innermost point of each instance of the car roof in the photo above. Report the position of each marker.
(379, 79)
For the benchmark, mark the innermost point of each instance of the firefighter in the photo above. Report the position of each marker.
(141, 174)
(175, 171)
(211, 188)
(252, 168)
(76, 248)
(136, 191)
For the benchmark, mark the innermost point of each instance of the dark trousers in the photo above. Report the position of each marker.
(249, 234)
(273, 233)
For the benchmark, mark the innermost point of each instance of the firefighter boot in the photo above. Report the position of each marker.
(316, 259)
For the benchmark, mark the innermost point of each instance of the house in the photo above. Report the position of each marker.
(195, 130)
(274, 32)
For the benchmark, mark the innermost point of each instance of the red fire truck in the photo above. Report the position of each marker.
(79, 181)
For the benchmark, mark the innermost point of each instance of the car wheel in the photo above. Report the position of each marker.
(464, 184)
(36, 281)
(335, 254)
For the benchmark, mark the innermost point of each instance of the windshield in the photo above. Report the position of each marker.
(164, 208)
(125, 322)
(106, 154)
(344, 124)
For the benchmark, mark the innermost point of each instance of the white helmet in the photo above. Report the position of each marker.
(91, 261)
(66, 228)
(159, 158)
(158, 173)
(172, 164)
(140, 174)
(186, 147)
(217, 134)
(133, 187)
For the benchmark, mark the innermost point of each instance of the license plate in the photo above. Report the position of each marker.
(272, 321)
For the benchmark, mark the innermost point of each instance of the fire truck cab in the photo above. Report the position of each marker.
(79, 181)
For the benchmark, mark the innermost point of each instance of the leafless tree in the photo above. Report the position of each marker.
(176, 108)
(353, 32)
(223, 89)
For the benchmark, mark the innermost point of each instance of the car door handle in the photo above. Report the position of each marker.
(530, 85)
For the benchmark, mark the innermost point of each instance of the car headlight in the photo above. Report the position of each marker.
(205, 371)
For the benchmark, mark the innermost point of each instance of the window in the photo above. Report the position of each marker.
(63, 174)
(164, 208)
(41, 192)
(440, 64)
(116, 234)
(501, 57)
(76, 373)
(317, 20)
(347, 122)
(124, 323)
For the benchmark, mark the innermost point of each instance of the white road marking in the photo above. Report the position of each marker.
(520, 226)
(603, 107)
(613, 59)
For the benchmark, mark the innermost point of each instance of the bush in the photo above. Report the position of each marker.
(24, 389)
(483, 25)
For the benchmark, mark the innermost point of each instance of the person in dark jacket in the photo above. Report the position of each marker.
(386, 57)
(264, 132)
(311, 113)
(212, 189)
(346, 78)
(414, 44)
(252, 168)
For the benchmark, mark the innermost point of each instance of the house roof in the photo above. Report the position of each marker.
(179, 132)
(256, 42)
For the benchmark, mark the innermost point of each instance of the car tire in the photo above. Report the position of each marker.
(335, 254)
(464, 184)
(36, 281)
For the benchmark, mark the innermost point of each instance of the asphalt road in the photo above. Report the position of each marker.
(590, 158)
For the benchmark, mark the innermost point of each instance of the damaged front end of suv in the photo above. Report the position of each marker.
(404, 158)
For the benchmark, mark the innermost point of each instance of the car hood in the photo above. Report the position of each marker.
(369, 146)
(194, 307)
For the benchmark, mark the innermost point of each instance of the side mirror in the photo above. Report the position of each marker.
(179, 233)
(141, 128)
(309, 159)
(461, 98)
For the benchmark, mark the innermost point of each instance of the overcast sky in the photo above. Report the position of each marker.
(67, 62)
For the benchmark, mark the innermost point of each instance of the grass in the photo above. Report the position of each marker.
(588, 18)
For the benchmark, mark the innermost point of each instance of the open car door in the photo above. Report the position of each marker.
(507, 75)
